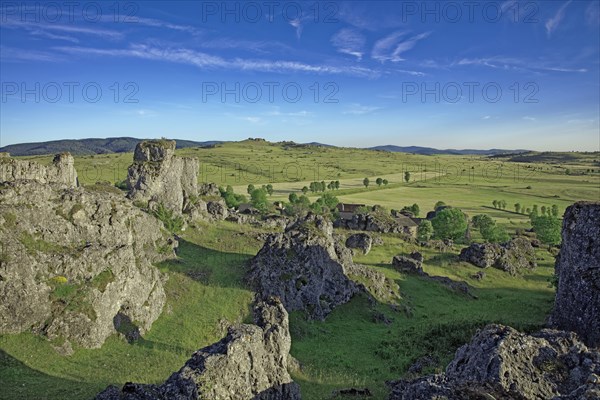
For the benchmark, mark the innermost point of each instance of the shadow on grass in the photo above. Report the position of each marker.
(209, 266)
(20, 382)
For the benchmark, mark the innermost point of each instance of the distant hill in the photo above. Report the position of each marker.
(430, 150)
(127, 144)
(89, 146)
(553, 157)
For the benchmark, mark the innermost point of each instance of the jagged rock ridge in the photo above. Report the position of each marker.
(309, 270)
(502, 363)
(61, 171)
(158, 176)
(250, 363)
(74, 258)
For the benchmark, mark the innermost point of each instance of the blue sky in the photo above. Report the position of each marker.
(482, 74)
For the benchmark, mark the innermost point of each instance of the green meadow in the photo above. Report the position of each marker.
(352, 347)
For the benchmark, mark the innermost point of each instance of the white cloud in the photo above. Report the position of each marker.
(349, 41)
(208, 61)
(554, 22)
(359, 109)
(487, 117)
(391, 47)
(528, 118)
(592, 14)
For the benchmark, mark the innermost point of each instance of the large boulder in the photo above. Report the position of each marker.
(515, 256)
(360, 241)
(409, 265)
(60, 171)
(74, 258)
(309, 270)
(250, 363)
(577, 306)
(302, 268)
(502, 363)
(158, 176)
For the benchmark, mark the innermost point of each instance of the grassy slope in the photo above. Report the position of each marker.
(348, 349)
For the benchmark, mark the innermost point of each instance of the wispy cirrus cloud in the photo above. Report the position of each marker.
(349, 41)
(208, 61)
(359, 109)
(553, 23)
(47, 29)
(391, 47)
(508, 63)
(592, 14)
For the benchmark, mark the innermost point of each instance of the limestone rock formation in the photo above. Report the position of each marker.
(250, 363)
(414, 265)
(514, 256)
(577, 306)
(361, 241)
(410, 265)
(302, 268)
(158, 176)
(502, 363)
(308, 269)
(61, 171)
(73, 258)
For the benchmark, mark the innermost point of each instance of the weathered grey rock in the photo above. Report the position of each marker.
(308, 269)
(502, 363)
(217, 209)
(577, 306)
(409, 265)
(361, 241)
(158, 176)
(60, 171)
(302, 268)
(515, 256)
(208, 189)
(372, 222)
(414, 265)
(73, 258)
(250, 363)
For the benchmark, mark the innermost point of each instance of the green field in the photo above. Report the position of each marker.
(206, 291)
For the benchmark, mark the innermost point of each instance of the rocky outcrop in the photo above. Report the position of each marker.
(158, 176)
(360, 241)
(378, 223)
(73, 258)
(514, 256)
(502, 363)
(60, 171)
(250, 363)
(410, 265)
(413, 265)
(308, 269)
(302, 268)
(577, 306)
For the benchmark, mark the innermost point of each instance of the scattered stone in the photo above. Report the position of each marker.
(513, 257)
(478, 276)
(381, 318)
(217, 209)
(577, 305)
(250, 362)
(352, 392)
(361, 241)
(414, 265)
(502, 363)
(378, 241)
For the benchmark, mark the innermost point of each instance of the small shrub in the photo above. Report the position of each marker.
(172, 223)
